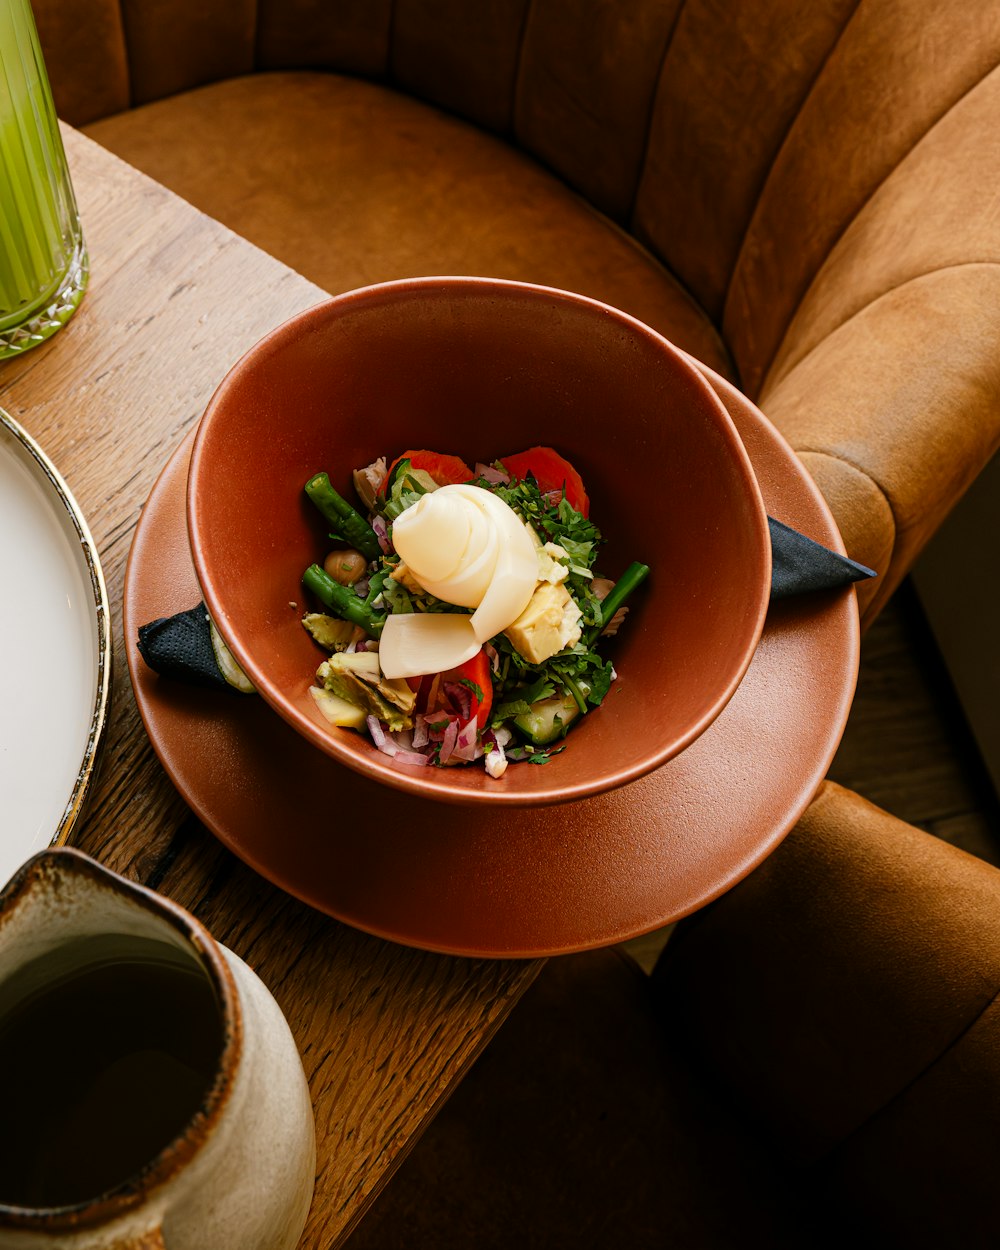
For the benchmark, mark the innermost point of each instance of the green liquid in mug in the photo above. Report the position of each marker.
(43, 260)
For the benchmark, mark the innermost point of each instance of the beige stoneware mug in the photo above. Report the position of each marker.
(151, 1094)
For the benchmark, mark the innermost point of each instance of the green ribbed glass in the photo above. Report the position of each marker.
(43, 259)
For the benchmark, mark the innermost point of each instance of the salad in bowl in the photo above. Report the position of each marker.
(463, 610)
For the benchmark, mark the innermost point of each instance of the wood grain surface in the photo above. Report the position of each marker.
(384, 1031)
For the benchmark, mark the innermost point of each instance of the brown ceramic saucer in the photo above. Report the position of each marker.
(510, 882)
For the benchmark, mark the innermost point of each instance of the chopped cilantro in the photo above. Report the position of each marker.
(533, 755)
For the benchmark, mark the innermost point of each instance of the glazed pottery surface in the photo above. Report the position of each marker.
(518, 881)
(482, 369)
(238, 1174)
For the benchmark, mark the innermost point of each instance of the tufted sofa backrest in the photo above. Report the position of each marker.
(820, 175)
(737, 141)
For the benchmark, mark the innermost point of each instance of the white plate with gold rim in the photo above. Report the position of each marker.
(55, 652)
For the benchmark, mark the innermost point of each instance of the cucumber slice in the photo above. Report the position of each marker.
(548, 719)
(226, 661)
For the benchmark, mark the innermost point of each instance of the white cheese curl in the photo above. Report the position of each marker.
(465, 546)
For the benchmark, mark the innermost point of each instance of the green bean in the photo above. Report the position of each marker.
(616, 596)
(342, 601)
(350, 524)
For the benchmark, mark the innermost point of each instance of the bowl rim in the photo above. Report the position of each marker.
(437, 783)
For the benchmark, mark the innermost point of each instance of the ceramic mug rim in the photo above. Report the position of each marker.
(137, 1188)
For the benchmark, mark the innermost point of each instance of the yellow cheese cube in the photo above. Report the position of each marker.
(549, 567)
(550, 622)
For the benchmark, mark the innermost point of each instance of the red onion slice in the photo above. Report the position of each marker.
(384, 744)
(409, 757)
(448, 742)
(460, 697)
(382, 533)
(495, 761)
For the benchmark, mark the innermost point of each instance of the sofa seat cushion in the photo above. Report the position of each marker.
(350, 183)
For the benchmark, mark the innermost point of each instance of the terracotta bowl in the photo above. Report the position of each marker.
(484, 368)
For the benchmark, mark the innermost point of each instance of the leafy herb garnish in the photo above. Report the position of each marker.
(559, 523)
(533, 755)
(577, 665)
(403, 490)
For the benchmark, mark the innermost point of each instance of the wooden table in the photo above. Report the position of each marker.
(384, 1031)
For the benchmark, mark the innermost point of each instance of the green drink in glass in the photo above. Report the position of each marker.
(43, 260)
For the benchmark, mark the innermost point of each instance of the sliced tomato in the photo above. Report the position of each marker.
(445, 470)
(433, 695)
(552, 472)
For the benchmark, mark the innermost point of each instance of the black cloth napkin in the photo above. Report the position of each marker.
(799, 565)
(180, 646)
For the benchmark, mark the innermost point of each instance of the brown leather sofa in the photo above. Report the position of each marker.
(803, 195)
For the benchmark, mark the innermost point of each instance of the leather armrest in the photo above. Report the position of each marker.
(845, 996)
(896, 411)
